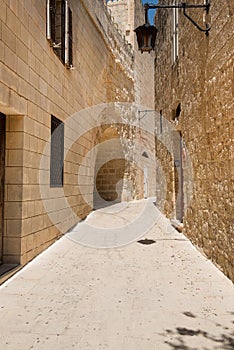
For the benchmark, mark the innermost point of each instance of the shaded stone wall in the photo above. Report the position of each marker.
(201, 80)
(129, 14)
(110, 168)
(109, 181)
(34, 85)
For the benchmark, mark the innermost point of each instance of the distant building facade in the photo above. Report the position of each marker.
(194, 84)
(128, 15)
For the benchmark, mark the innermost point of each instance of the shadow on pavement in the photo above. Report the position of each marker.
(182, 337)
(146, 241)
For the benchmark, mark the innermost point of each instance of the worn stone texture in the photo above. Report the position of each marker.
(128, 15)
(202, 81)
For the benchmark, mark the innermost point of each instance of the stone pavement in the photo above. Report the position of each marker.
(164, 295)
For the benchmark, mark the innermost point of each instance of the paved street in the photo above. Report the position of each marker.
(164, 295)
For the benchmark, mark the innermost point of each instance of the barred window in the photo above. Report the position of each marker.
(56, 152)
(59, 29)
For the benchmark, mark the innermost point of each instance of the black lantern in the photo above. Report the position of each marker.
(146, 36)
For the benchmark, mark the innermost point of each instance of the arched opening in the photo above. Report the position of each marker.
(111, 169)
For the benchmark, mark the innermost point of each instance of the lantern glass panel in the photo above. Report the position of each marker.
(146, 36)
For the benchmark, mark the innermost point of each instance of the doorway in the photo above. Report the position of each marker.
(2, 175)
(178, 175)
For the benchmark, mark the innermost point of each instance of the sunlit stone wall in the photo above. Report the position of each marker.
(201, 80)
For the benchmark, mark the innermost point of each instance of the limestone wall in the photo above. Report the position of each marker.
(34, 85)
(119, 9)
(129, 14)
(201, 80)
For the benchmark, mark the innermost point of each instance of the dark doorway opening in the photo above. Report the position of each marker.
(178, 175)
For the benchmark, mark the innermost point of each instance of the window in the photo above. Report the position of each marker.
(175, 39)
(56, 152)
(176, 112)
(161, 121)
(59, 29)
(69, 39)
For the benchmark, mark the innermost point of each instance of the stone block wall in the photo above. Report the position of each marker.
(109, 181)
(119, 9)
(34, 85)
(201, 80)
(129, 14)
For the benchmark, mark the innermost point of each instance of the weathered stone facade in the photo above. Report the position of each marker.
(128, 15)
(196, 93)
(34, 85)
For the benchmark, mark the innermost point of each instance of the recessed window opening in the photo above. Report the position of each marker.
(56, 152)
(176, 112)
(59, 29)
(161, 121)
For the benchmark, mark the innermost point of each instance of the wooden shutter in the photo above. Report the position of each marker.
(63, 12)
(70, 45)
(52, 20)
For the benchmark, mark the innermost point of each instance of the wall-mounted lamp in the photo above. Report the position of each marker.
(146, 34)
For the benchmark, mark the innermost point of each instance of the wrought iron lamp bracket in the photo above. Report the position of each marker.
(183, 6)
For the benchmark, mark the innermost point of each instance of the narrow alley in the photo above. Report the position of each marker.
(157, 292)
(116, 175)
